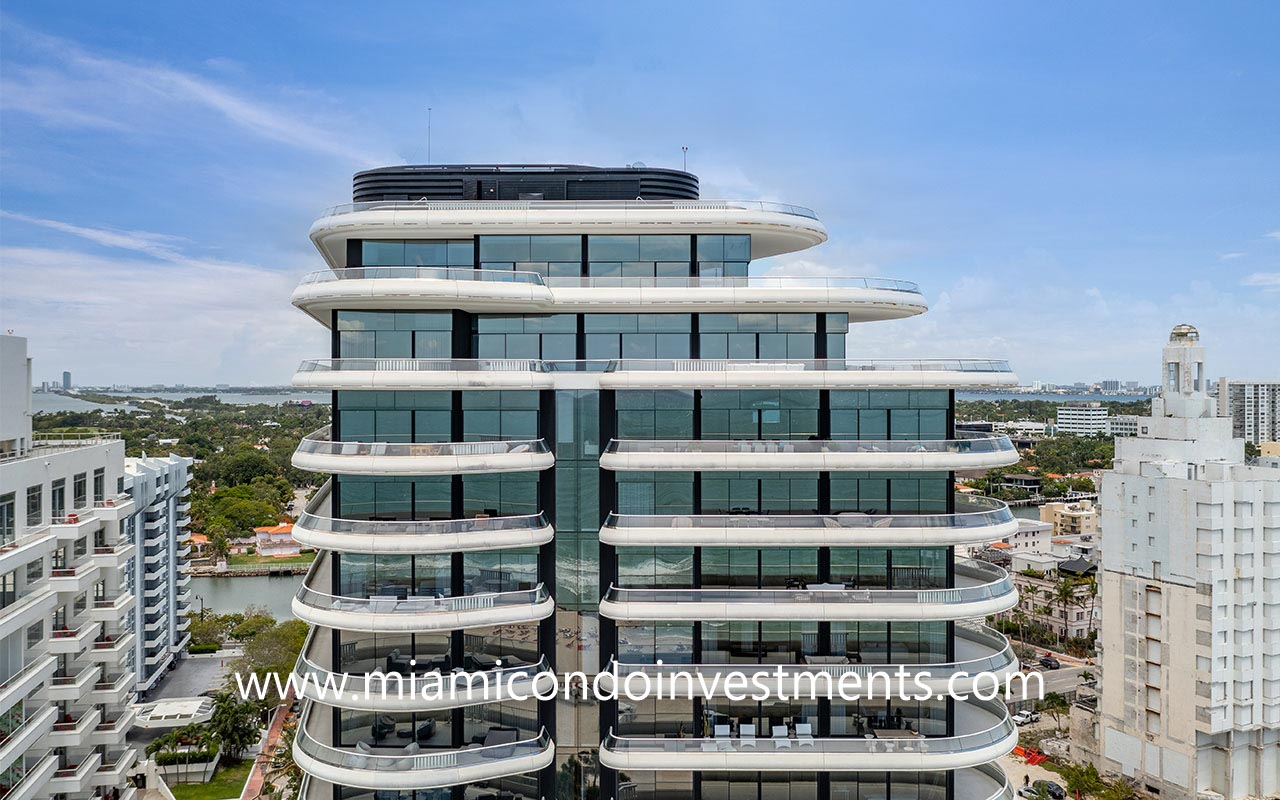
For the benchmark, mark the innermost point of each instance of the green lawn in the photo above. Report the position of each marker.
(226, 784)
(247, 560)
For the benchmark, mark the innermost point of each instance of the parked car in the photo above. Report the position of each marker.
(1025, 717)
(1049, 662)
(1052, 789)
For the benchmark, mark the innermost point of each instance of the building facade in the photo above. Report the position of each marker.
(1075, 519)
(1122, 425)
(1190, 704)
(572, 433)
(67, 670)
(161, 573)
(1254, 409)
(1082, 419)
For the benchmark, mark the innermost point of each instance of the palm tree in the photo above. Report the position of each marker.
(1020, 619)
(1056, 705)
(1081, 779)
(219, 547)
(234, 724)
(1064, 594)
(283, 779)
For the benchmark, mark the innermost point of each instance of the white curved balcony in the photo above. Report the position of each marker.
(316, 453)
(411, 768)
(827, 373)
(978, 649)
(780, 455)
(424, 690)
(423, 373)
(980, 589)
(775, 228)
(977, 520)
(507, 291)
(413, 613)
(984, 733)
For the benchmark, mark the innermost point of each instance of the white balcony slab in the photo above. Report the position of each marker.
(316, 453)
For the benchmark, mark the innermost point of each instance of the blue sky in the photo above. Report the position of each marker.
(1066, 182)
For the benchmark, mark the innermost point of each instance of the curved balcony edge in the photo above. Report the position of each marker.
(993, 521)
(317, 453)
(962, 751)
(425, 692)
(420, 614)
(422, 374)
(781, 455)
(419, 770)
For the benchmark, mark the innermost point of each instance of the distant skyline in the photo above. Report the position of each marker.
(1066, 183)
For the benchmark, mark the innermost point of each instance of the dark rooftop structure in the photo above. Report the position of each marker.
(522, 182)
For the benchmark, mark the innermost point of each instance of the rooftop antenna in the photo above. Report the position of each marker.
(684, 152)
(428, 134)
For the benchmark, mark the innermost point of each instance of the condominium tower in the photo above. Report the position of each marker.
(66, 609)
(1254, 409)
(1190, 703)
(572, 432)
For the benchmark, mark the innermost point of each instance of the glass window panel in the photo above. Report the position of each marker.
(873, 424)
(637, 269)
(711, 247)
(664, 248)
(555, 248)
(393, 344)
(613, 248)
(737, 247)
(604, 269)
(672, 345)
(462, 253)
(382, 253)
(505, 248)
(428, 254)
(742, 345)
(800, 345)
(713, 345)
(603, 345)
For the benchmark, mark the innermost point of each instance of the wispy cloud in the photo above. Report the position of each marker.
(159, 245)
(1231, 256)
(1267, 281)
(73, 87)
(1273, 235)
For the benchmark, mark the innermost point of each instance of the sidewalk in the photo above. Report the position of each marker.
(257, 776)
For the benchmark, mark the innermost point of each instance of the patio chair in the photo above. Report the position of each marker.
(781, 739)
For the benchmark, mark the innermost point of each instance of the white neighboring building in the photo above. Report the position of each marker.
(1254, 408)
(66, 622)
(158, 486)
(1082, 419)
(1123, 425)
(1191, 600)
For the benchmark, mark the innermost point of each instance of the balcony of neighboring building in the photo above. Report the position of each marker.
(114, 556)
(976, 520)
(317, 453)
(72, 727)
(115, 508)
(427, 606)
(113, 690)
(35, 601)
(72, 687)
(423, 683)
(385, 762)
(979, 589)
(70, 639)
(977, 648)
(74, 778)
(785, 455)
(76, 524)
(26, 680)
(16, 552)
(29, 778)
(983, 732)
(111, 730)
(74, 580)
(23, 729)
(317, 528)
(111, 648)
(115, 769)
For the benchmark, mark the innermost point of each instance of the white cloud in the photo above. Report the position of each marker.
(72, 87)
(137, 319)
(1273, 235)
(158, 245)
(1268, 281)
(1231, 256)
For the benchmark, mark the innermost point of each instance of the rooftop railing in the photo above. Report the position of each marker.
(43, 443)
(562, 205)
(971, 512)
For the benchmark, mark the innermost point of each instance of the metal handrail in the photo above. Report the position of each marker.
(319, 442)
(997, 583)
(562, 205)
(973, 444)
(652, 365)
(960, 743)
(987, 512)
(415, 604)
(1002, 658)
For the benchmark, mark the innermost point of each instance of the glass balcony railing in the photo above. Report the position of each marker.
(971, 512)
(529, 278)
(375, 762)
(961, 365)
(319, 443)
(415, 605)
(974, 444)
(996, 728)
(563, 205)
(978, 581)
(970, 636)
(424, 528)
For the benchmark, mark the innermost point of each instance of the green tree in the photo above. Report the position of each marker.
(1055, 705)
(234, 723)
(1081, 778)
(272, 650)
(238, 467)
(284, 777)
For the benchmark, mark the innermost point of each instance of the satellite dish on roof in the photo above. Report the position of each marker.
(638, 165)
